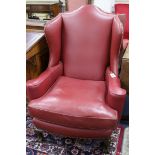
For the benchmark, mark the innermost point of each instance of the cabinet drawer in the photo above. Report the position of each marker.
(40, 8)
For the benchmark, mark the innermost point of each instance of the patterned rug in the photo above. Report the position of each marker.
(57, 145)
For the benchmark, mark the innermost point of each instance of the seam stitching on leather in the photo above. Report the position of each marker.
(71, 127)
(77, 116)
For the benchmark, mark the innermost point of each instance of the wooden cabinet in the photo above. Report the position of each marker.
(52, 8)
(36, 54)
(32, 24)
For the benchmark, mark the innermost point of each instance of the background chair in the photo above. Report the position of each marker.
(121, 8)
(79, 94)
(75, 4)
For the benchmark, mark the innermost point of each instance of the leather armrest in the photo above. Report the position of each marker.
(37, 87)
(115, 94)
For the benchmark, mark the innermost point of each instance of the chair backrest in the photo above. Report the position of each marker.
(90, 41)
(75, 4)
(121, 8)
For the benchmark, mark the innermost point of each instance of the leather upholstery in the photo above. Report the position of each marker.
(121, 8)
(125, 43)
(76, 61)
(64, 103)
(123, 12)
(79, 94)
(115, 94)
(72, 132)
(53, 37)
(116, 40)
(37, 87)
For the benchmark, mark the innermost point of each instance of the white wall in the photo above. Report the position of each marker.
(123, 1)
(105, 5)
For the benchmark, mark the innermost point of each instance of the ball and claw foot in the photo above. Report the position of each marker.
(106, 145)
(39, 134)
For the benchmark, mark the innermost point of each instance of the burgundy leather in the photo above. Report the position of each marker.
(64, 103)
(72, 132)
(82, 49)
(37, 87)
(121, 8)
(78, 97)
(53, 37)
(122, 18)
(115, 94)
(116, 40)
(125, 43)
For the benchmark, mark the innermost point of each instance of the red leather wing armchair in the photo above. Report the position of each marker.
(79, 94)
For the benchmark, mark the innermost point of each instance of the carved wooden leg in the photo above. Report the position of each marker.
(106, 145)
(39, 134)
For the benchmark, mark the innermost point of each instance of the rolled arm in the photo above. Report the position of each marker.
(115, 94)
(37, 87)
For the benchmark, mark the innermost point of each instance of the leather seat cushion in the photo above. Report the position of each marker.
(75, 103)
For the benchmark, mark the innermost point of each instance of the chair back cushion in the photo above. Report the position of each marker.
(86, 41)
